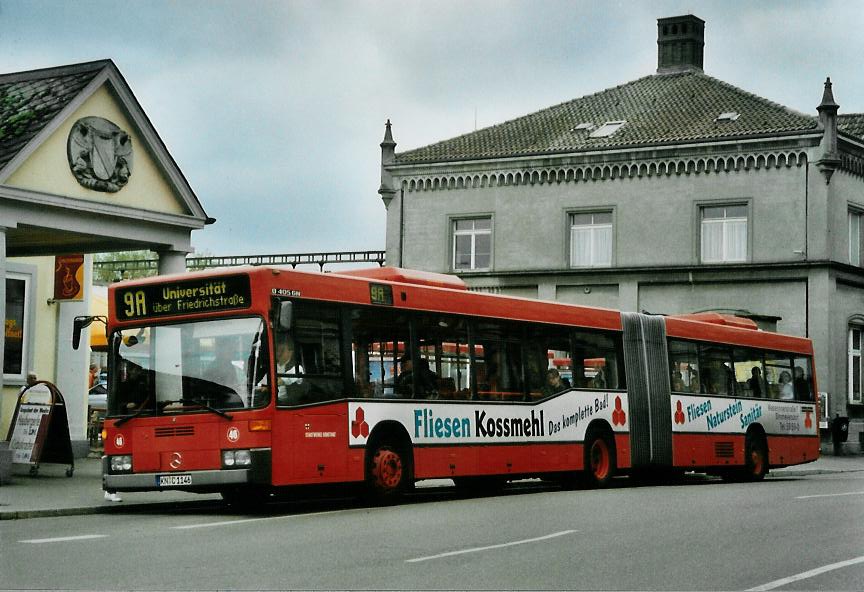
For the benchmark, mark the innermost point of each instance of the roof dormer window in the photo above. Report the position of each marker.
(727, 116)
(607, 129)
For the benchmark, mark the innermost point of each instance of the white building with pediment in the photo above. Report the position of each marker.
(82, 170)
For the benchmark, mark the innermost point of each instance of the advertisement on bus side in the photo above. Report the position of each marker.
(723, 415)
(564, 418)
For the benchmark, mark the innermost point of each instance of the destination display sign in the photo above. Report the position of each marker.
(183, 297)
(381, 294)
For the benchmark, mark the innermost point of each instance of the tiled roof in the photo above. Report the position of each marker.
(30, 100)
(659, 109)
(852, 124)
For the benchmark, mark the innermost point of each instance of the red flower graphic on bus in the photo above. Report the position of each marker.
(679, 413)
(359, 427)
(808, 421)
(618, 415)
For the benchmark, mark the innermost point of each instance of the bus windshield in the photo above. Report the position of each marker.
(189, 367)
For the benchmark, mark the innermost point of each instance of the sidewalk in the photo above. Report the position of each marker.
(51, 493)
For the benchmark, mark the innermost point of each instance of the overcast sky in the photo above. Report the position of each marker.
(274, 110)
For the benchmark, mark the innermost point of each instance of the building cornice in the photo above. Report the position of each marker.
(672, 274)
(605, 168)
(98, 209)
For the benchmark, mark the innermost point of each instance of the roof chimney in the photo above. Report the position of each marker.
(680, 41)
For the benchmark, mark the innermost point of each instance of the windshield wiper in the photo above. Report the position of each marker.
(200, 403)
(126, 418)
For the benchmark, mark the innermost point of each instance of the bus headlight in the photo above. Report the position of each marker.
(121, 464)
(236, 458)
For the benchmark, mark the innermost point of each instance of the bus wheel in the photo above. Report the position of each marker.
(599, 460)
(755, 458)
(388, 474)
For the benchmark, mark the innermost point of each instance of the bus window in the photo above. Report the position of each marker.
(778, 375)
(749, 378)
(442, 371)
(802, 379)
(498, 365)
(313, 372)
(596, 361)
(380, 338)
(684, 366)
(717, 375)
(547, 352)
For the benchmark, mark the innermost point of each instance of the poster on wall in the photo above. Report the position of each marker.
(13, 348)
(69, 277)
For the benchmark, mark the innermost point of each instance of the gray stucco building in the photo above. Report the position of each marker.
(673, 193)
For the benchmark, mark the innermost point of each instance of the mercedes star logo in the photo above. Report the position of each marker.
(176, 460)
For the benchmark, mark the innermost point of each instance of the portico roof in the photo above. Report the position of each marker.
(44, 210)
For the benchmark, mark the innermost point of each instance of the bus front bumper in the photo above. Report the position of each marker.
(194, 481)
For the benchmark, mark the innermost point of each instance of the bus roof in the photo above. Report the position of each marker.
(435, 292)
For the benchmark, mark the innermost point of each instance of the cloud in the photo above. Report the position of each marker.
(274, 109)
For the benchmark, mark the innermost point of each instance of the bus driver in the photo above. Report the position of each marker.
(287, 369)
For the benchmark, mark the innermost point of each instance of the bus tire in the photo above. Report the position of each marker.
(600, 463)
(388, 474)
(755, 457)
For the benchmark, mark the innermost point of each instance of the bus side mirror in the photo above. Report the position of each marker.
(285, 314)
(78, 324)
(81, 323)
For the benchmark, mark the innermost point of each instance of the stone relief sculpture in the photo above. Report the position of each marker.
(100, 154)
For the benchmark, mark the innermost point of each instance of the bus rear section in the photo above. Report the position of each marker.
(714, 394)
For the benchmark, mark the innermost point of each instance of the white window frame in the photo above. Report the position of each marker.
(27, 328)
(594, 229)
(726, 226)
(473, 233)
(855, 358)
(854, 223)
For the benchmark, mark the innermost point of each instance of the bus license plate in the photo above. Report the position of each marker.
(173, 480)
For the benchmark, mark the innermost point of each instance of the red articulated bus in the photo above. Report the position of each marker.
(249, 381)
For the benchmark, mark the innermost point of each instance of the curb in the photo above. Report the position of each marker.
(804, 473)
(116, 507)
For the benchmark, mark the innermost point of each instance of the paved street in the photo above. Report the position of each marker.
(788, 533)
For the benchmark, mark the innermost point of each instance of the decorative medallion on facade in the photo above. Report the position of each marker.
(100, 154)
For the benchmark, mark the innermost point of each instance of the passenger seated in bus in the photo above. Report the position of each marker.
(786, 389)
(712, 383)
(427, 381)
(554, 383)
(802, 385)
(692, 379)
(678, 385)
(599, 380)
(754, 383)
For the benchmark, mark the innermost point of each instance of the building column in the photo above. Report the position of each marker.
(171, 261)
(628, 295)
(71, 372)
